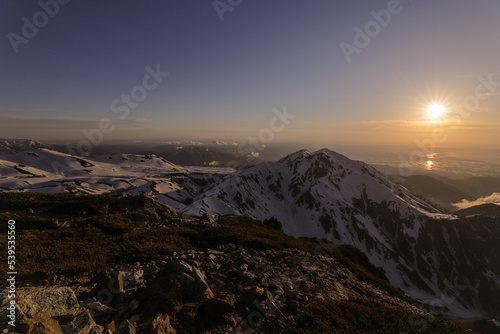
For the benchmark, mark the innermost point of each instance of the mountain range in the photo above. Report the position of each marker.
(447, 262)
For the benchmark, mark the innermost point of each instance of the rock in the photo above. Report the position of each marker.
(179, 267)
(126, 328)
(214, 310)
(318, 296)
(49, 302)
(180, 280)
(151, 268)
(191, 286)
(52, 278)
(135, 319)
(159, 324)
(44, 325)
(108, 289)
(20, 318)
(98, 309)
(275, 290)
(133, 277)
(111, 326)
(173, 286)
(112, 280)
(249, 296)
(246, 275)
(83, 324)
(200, 285)
(208, 218)
(214, 252)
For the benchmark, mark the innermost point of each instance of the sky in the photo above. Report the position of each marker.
(320, 72)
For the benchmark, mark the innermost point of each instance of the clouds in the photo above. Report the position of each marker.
(492, 199)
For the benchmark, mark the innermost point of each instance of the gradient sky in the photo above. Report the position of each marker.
(227, 76)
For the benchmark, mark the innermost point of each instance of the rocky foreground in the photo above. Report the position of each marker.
(129, 265)
(230, 289)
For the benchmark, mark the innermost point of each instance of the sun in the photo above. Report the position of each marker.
(436, 111)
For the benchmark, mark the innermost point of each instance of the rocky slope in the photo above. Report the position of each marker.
(193, 292)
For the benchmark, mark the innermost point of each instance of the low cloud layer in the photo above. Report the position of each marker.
(493, 198)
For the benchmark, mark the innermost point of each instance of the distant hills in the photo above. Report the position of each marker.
(436, 191)
(11, 146)
(180, 154)
(490, 210)
(201, 156)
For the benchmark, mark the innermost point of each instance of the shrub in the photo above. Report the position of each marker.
(273, 223)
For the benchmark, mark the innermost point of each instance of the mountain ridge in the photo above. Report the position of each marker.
(323, 194)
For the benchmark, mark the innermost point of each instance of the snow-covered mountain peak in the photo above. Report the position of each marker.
(294, 156)
(324, 194)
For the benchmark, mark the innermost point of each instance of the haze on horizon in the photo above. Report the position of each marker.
(407, 79)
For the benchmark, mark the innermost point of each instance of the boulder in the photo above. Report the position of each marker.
(110, 327)
(126, 327)
(191, 286)
(208, 218)
(108, 289)
(83, 324)
(249, 296)
(44, 325)
(178, 267)
(49, 302)
(98, 309)
(133, 276)
(214, 310)
(160, 324)
(177, 284)
(20, 318)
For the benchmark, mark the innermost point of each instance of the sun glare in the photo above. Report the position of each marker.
(436, 111)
